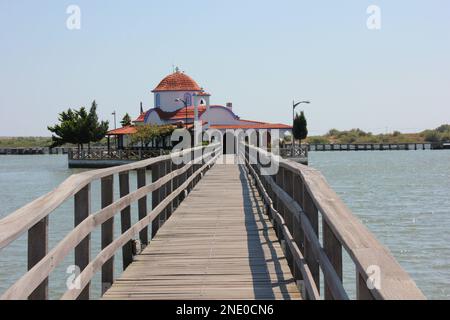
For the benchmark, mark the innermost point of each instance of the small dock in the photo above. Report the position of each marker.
(374, 146)
(218, 244)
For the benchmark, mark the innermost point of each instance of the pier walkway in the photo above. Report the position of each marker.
(266, 228)
(218, 244)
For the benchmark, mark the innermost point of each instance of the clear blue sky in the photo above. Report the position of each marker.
(257, 54)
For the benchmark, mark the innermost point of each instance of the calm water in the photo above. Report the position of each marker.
(402, 196)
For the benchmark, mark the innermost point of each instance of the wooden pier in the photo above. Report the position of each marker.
(212, 249)
(215, 231)
(373, 146)
(34, 151)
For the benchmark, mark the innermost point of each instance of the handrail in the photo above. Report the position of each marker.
(302, 193)
(18, 222)
(181, 179)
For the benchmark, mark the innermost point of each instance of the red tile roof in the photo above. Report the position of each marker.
(122, 131)
(202, 94)
(141, 117)
(177, 81)
(261, 125)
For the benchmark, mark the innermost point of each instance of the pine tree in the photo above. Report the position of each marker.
(126, 120)
(300, 129)
(78, 127)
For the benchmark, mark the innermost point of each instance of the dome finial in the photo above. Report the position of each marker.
(177, 70)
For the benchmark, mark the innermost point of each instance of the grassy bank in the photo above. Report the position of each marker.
(440, 134)
(24, 142)
(34, 142)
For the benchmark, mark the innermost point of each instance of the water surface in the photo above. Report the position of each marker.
(403, 197)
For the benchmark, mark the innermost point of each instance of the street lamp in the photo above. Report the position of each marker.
(185, 106)
(115, 127)
(294, 105)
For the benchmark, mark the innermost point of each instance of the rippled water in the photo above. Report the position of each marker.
(402, 196)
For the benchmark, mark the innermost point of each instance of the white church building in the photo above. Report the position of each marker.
(179, 100)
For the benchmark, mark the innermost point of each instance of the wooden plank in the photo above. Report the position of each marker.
(32, 279)
(107, 195)
(312, 214)
(142, 204)
(358, 241)
(82, 203)
(333, 250)
(109, 251)
(156, 174)
(125, 219)
(17, 223)
(37, 249)
(229, 253)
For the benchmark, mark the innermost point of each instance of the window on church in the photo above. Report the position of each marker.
(158, 100)
(188, 99)
(202, 102)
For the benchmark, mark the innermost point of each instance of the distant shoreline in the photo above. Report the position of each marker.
(355, 136)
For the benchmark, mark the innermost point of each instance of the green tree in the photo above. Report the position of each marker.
(145, 134)
(300, 128)
(67, 130)
(126, 120)
(96, 129)
(78, 127)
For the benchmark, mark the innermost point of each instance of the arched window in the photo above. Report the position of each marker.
(202, 102)
(157, 100)
(188, 99)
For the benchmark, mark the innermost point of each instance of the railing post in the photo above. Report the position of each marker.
(37, 249)
(155, 197)
(175, 185)
(289, 216)
(107, 232)
(313, 217)
(297, 230)
(162, 193)
(362, 291)
(125, 219)
(82, 203)
(142, 204)
(333, 250)
(169, 188)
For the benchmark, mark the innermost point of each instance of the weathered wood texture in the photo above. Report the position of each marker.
(218, 244)
(312, 197)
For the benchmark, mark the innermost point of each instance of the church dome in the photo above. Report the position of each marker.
(177, 81)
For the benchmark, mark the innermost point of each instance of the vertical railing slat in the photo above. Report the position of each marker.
(313, 217)
(37, 249)
(125, 219)
(155, 197)
(142, 204)
(362, 291)
(107, 197)
(82, 203)
(333, 250)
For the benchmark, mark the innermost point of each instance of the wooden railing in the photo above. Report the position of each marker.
(126, 154)
(372, 146)
(299, 200)
(171, 182)
(297, 152)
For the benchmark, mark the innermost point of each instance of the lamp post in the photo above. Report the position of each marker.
(115, 127)
(294, 105)
(186, 108)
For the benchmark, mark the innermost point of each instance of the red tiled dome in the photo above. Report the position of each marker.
(177, 81)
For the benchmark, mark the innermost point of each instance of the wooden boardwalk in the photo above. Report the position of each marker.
(218, 244)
